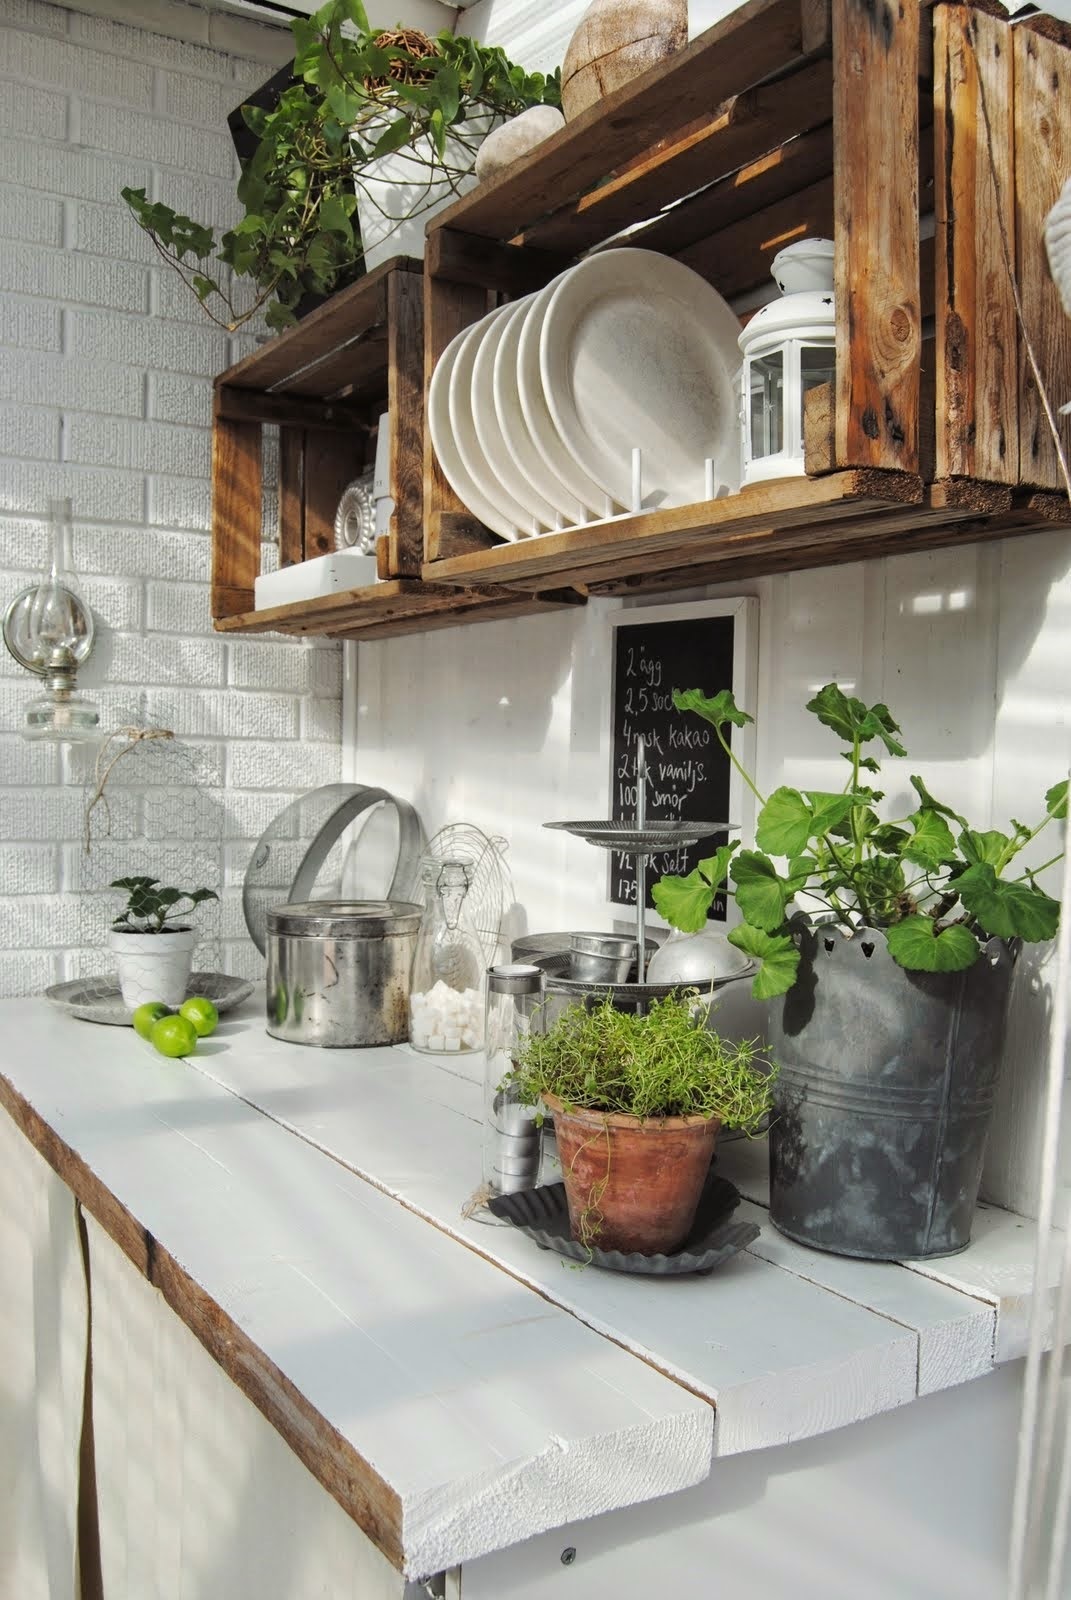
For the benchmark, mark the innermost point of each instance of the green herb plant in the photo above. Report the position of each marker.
(152, 908)
(938, 887)
(363, 93)
(664, 1064)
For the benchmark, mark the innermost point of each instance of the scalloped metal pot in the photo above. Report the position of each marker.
(884, 1097)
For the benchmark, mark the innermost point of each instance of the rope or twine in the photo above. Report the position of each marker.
(104, 768)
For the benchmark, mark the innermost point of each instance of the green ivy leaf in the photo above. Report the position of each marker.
(975, 847)
(779, 957)
(333, 218)
(718, 709)
(1056, 800)
(760, 893)
(915, 944)
(931, 843)
(784, 823)
(399, 133)
(1008, 910)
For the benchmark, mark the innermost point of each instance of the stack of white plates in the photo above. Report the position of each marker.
(536, 411)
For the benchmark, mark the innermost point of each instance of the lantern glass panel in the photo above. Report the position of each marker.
(767, 397)
(817, 366)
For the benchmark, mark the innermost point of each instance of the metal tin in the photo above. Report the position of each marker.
(601, 957)
(338, 971)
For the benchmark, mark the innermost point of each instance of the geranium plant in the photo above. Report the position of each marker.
(152, 908)
(938, 887)
(362, 94)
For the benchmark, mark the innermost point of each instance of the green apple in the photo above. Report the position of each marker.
(146, 1015)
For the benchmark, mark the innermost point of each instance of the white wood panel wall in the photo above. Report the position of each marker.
(43, 1321)
(537, 34)
(506, 725)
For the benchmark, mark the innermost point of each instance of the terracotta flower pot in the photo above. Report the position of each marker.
(632, 1184)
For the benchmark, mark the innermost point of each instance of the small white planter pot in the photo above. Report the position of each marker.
(397, 193)
(153, 966)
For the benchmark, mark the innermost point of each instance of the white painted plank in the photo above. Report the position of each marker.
(405, 1343)
(782, 1356)
(43, 1323)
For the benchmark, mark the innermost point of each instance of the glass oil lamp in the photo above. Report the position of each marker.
(49, 630)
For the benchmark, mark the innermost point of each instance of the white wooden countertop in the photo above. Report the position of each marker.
(370, 1320)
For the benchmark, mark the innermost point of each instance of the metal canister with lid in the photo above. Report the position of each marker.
(338, 971)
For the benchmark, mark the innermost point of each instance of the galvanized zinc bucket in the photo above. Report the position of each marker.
(884, 1097)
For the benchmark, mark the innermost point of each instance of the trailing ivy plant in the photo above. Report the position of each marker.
(938, 887)
(362, 93)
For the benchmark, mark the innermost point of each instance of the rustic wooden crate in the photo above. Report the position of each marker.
(323, 384)
(790, 119)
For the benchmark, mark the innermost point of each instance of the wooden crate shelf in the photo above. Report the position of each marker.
(791, 118)
(323, 384)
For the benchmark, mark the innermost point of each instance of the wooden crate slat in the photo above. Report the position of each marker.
(875, 99)
(405, 402)
(759, 38)
(251, 405)
(331, 462)
(785, 503)
(237, 488)
(1042, 163)
(291, 532)
(739, 257)
(448, 307)
(751, 125)
(396, 606)
(357, 368)
(347, 314)
(977, 332)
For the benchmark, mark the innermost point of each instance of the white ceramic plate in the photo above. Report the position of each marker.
(557, 460)
(510, 514)
(637, 349)
(534, 475)
(446, 451)
(507, 477)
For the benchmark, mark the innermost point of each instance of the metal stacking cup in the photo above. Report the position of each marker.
(601, 957)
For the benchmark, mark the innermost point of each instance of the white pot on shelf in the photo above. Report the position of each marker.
(153, 966)
(399, 192)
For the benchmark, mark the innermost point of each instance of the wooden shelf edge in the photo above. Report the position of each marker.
(397, 606)
(350, 1480)
(782, 506)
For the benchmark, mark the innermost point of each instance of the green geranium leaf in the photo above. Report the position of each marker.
(684, 902)
(852, 720)
(785, 824)
(719, 709)
(888, 837)
(1008, 910)
(975, 847)
(866, 763)
(830, 810)
(1056, 800)
(760, 893)
(915, 944)
(800, 870)
(779, 957)
(931, 843)
(928, 803)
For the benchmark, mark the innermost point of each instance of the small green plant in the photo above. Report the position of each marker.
(939, 887)
(363, 93)
(151, 907)
(664, 1064)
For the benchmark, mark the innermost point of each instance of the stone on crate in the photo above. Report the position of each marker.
(616, 41)
(515, 139)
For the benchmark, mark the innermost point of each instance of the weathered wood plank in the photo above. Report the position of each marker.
(331, 462)
(250, 405)
(758, 38)
(785, 504)
(448, 307)
(237, 492)
(405, 403)
(977, 332)
(291, 496)
(875, 98)
(748, 127)
(347, 314)
(511, 269)
(1042, 163)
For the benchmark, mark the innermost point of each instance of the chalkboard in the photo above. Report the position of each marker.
(688, 773)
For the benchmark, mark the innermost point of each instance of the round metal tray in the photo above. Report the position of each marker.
(651, 839)
(99, 999)
(556, 968)
(546, 944)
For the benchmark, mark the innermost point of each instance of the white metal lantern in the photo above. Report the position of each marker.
(787, 348)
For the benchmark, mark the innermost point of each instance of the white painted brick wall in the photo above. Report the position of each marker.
(105, 395)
